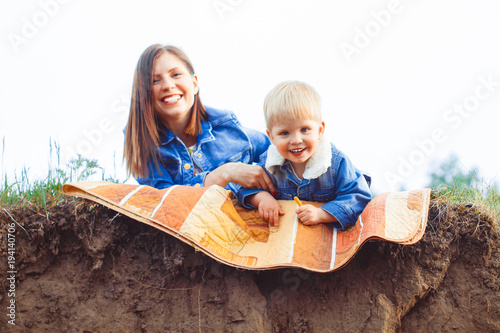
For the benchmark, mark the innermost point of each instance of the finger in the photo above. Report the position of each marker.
(273, 218)
(281, 211)
(264, 215)
(261, 214)
(262, 179)
(276, 217)
(303, 216)
(310, 222)
(268, 184)
(261, 184)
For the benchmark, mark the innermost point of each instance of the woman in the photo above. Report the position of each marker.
(171, 138)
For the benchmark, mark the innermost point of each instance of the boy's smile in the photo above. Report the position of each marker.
(297, 152)
(297, 140)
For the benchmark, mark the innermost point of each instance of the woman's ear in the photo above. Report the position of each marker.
(195, 83)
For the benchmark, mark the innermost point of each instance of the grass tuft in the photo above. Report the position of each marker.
(47, 192)
(486, 198)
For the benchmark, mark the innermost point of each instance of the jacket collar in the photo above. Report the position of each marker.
(206, 134)
(317, 164)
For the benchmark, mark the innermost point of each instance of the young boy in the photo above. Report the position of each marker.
(300, 163)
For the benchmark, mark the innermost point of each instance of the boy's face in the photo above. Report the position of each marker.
(296, 140)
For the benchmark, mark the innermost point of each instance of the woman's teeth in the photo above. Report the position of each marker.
(172, 98)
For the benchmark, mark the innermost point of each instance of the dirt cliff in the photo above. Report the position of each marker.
(84, 268)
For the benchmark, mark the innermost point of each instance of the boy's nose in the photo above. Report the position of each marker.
(296, 139)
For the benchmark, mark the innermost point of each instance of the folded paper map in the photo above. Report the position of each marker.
(212, 221)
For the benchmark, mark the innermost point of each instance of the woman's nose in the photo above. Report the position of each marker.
(167, 83)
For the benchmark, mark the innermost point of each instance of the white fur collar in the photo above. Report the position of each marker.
(317, 164)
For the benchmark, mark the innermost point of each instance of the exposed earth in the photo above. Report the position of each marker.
(82, 267)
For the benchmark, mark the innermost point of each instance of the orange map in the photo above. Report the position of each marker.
(212, 221)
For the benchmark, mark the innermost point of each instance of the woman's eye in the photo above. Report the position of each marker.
(176, 74)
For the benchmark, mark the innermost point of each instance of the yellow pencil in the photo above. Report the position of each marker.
(297, 200)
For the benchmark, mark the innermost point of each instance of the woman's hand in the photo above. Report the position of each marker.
(246, 175)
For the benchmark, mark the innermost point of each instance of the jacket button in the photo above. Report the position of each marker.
(199, 154)
(187, 166)
(197, 185)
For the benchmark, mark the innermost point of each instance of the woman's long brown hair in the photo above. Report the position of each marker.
(142, 135)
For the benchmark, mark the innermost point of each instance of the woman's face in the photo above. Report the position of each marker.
(174, 88)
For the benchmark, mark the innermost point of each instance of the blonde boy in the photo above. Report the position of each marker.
(300, 163)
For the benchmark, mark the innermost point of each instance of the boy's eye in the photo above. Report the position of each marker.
(284, 133)
(305, 129)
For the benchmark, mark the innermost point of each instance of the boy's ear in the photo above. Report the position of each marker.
(270, 136)
(321, 129)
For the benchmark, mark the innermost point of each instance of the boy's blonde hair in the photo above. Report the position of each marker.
(291, 100)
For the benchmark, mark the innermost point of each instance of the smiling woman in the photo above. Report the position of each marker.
(173, 139)
(175, 89)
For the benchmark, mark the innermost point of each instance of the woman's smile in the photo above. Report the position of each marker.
(171, 99)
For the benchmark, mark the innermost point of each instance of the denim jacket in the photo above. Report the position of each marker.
(329, 177)
(222, 140)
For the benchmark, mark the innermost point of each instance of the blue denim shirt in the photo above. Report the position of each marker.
(329, 177)
(223, 140)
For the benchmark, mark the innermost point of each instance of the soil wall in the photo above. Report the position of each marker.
(84, 268)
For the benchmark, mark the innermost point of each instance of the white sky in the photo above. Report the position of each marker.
(67, 69)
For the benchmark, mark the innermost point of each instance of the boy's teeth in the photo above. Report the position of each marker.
(297, 150)
(172, 98)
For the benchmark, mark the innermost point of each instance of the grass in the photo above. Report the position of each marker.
(47, 192)
(21, 190)
(486, 198)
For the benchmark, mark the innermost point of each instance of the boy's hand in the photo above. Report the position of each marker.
(310, 215)
(269, 208)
